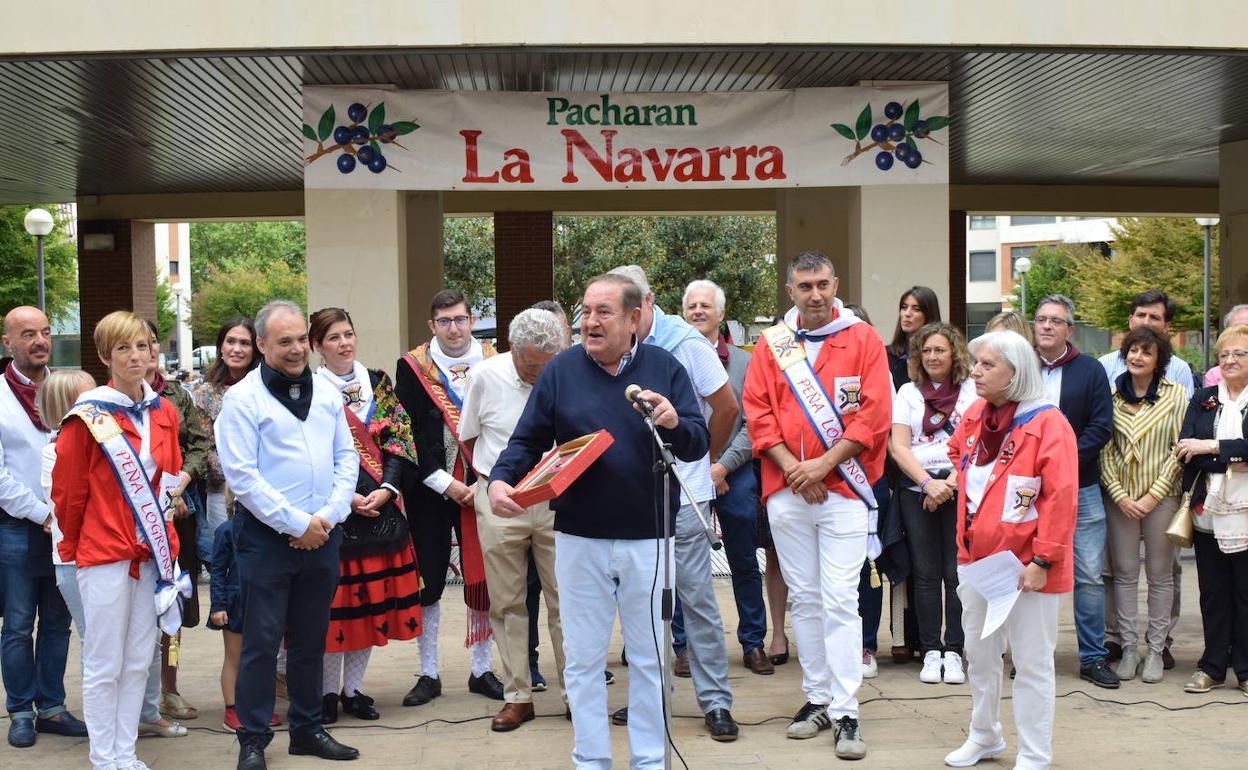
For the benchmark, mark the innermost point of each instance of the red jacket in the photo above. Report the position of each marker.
(90, 508)
(853, 357)
(1039, 453)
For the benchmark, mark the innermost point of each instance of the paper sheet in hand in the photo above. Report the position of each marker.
(996, 579)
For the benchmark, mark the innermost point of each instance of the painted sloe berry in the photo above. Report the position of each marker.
(385, 132)
(892, 110)
(357, 112)
(377, 164)
(896, 132)
(359, 134)
(914, 159)
(346, 163)
(365, 155)
(879, 133)
(920, 129)
(342, 135)
(884, 160)
(902, 152)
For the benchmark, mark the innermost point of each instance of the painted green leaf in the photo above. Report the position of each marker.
(845, 131)
(375, 146)
(326, 126)
(863, 127)
(376, 118)
(912, 114)
(308, 132)
(402, 127)
(910, 142)
(937, 122)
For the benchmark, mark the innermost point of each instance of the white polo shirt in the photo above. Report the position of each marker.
(494, 399)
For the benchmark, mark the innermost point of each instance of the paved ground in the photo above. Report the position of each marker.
(907, 724)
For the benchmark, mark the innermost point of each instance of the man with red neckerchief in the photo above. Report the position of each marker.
(818, 405)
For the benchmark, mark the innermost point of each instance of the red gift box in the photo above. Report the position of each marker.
(560, 467)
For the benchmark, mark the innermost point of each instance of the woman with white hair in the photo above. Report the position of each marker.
(1017, 491)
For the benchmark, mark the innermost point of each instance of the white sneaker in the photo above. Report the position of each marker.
(870, 669)
(954, 674)
(931, 667)
(810, 719)
(972, 753)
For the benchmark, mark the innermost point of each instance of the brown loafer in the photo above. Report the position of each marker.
(680, 665)
(512, 716)
(757, 662)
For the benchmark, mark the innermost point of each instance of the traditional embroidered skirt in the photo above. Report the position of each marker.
(378, 599)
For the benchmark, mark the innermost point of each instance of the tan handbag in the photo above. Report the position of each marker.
(1180, 529)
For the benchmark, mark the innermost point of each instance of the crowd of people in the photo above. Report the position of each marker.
(324, 506)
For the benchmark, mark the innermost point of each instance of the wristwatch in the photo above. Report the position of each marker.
(1041, 563)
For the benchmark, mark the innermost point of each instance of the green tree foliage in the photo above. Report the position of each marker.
(18, 283)
(225, 293)
(224, 246)
(468, 252)
(166, 310)
(1052, 271)
(1150, 253)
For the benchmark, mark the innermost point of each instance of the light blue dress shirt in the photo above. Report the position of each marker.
(284, 470)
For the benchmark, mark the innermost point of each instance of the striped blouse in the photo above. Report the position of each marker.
(1139, 457)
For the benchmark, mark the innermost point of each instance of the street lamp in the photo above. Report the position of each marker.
(177, 324)
(1208, 223)
(39, 223)
(1023, 266)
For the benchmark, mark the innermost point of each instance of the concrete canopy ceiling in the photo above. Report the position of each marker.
(108, 125)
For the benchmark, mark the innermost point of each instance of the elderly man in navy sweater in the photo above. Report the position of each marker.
(607, 524)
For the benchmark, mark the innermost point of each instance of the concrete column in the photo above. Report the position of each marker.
(123, 278)
(812, 219)
(424, 261)
(1233, 210)
(524, 263)
(357, 260)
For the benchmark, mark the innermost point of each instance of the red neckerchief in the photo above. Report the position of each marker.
(25, 392)
(996, 425)
(1062, 360)
(938, 404)
(159, 384)
(721, 348)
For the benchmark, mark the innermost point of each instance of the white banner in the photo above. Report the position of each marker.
(444, 140)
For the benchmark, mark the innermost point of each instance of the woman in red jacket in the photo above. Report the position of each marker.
(1016, 465)
(117, 460)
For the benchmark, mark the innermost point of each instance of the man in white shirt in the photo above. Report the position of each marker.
(288, 457)
(706, 658)
(33, 671)
(498, 388)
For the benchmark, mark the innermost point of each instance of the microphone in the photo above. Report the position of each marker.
(631, 394)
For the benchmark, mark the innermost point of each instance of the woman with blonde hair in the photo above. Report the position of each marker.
(1009, 321)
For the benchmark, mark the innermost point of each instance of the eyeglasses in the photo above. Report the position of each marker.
(1042, 320)
(1225, 355)
(445, 323)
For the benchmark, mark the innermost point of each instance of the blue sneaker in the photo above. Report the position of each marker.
(64, 723)
(538, 681)
(22, 731)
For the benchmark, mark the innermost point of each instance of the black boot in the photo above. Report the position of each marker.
(359, 706)
(329, 708)
(251, 753)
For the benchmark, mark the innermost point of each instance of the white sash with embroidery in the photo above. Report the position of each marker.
(172, 585)
(820, 410)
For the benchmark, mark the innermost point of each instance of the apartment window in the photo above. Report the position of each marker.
(1017, 253)
(1016, 221)
(173, 267)
(983, 223)
(983, 266)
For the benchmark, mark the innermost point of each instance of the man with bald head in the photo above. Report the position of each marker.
(33, 673)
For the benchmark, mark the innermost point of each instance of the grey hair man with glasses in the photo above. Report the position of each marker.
(1076, 383)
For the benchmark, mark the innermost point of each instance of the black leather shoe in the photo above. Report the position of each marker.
(722, 726)
(64, 723)
(487, 684)
(22, 732)
(427, 688)
(329, 708)
(320, 744)
(251, 756)
(620, 717)
(360, 706)
(1101, 675)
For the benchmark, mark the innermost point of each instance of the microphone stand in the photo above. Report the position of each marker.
(666, 464)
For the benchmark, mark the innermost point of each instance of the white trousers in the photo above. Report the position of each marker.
(1030, 632)
(596, 579)
(116, 653)
(821, 549)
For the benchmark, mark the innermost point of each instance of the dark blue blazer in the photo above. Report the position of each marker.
(1089, 408)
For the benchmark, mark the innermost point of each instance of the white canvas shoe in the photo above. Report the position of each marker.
(971, 753)
(954, 673)
(932, 662)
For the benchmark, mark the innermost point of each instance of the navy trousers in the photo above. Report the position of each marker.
(284, 591)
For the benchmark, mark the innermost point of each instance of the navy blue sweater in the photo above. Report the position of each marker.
(617, 497)
(1089, 408)
(223, 572)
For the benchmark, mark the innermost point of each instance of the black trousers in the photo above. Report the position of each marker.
(431, 527)
(1223, 581)
(931, 537)
(283, 591)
